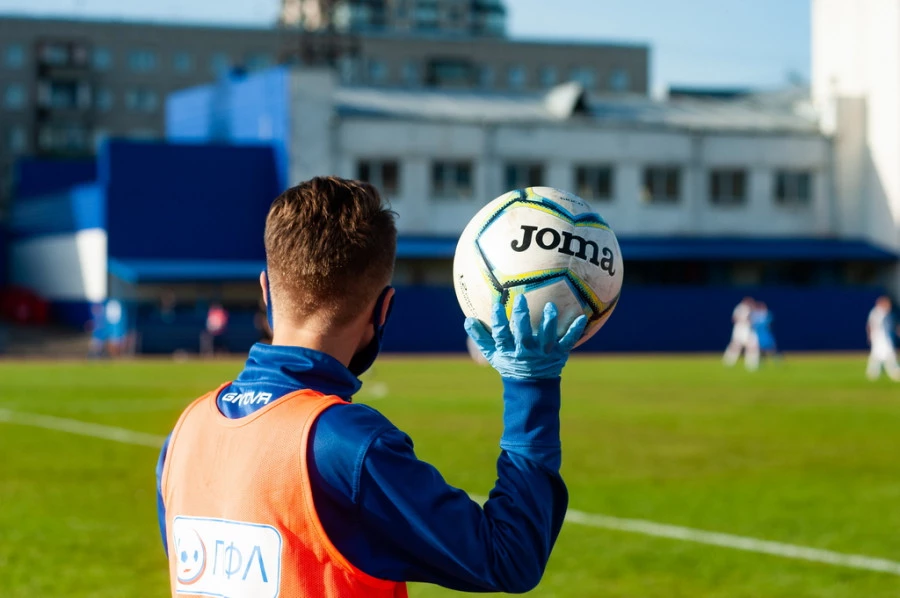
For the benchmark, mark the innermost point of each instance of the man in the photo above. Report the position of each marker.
(880, 331)
(276, 484)
(116, 327)
(761, 321)
(742, 337)
(97, 327)
(213, 337)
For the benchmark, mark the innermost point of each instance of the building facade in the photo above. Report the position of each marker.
(459, 17)
(711, 199)
(736, 191)
(856, 89)
(67, 85)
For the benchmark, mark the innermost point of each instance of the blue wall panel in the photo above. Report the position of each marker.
(75, 314)
(78, 208)
(40, 176)
(259, 114)
(425, 319)
(699, 319)
(238, 110)
(663, 319)
(188, 202)
(188, 115)
(4, 256)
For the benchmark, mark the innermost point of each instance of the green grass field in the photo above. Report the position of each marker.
(804, 452)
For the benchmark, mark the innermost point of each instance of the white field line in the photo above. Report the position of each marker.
(687, 534)
(74, 426)
(635, 526)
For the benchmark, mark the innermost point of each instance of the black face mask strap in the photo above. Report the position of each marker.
(366, 356)
(269, 303)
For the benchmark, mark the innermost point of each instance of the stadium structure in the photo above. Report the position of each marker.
(791, 196)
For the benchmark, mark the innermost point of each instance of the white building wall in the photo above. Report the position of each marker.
(312, 124)
(68, 267)
(856, 87)
(415, 144)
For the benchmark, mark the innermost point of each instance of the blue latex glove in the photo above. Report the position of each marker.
(515, 352)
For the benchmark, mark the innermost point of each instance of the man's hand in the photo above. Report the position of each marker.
(515, 352)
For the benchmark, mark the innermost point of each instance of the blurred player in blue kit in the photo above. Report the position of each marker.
(386, 517)
(761, 321)
(880, 330)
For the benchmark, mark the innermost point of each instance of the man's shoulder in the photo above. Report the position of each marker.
(350, 424)
(339, 446)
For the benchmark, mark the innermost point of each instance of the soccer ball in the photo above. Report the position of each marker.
(546, 244)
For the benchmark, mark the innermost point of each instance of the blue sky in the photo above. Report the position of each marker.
(755, 43)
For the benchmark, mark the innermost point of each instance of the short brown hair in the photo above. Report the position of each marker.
(330, 248)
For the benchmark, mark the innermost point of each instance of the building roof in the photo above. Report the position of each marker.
(713, 249)
(788, 111)
(634, 249)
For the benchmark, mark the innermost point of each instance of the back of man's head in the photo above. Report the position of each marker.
(330, 248)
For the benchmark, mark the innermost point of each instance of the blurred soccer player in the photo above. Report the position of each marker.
(761, 321)
(880, 330)
(742, 337)
(116, 327)
(97, 326)
(276, 484)
(213, 337)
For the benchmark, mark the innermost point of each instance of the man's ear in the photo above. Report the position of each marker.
(386, 306)
(264, 284)
(267, 299)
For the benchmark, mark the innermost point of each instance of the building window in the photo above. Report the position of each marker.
(619, 80)
(450, 73)
(14, 56)
(486, 77)
(15, 97)
(519, 175)
(495, 23)
(728, 187)
(594, 182)
(548, 76)
(411, 75)
(662, 184)
(102, 59)
(63, 138)
(425, 15)
(451, 180)
(183, 62)
(454, 16)
(348, 70)
(141, 100)
(793, 187)
(104, 99)
(378, 72)
(54, 54)
(383, 174)
(100, 137)
(64, 95)
(143, 134)
(258, 61)
(585, 76)
(515, 77)
(220, 64)
(17, 140)
(142, 61)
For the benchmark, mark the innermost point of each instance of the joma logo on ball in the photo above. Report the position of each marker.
(549, 239)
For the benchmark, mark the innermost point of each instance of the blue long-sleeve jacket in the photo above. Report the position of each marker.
(392, 515)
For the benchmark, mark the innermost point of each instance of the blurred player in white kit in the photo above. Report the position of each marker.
(880, 330)
(742, 337)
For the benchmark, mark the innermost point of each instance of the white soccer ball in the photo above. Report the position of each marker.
(546, 244)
